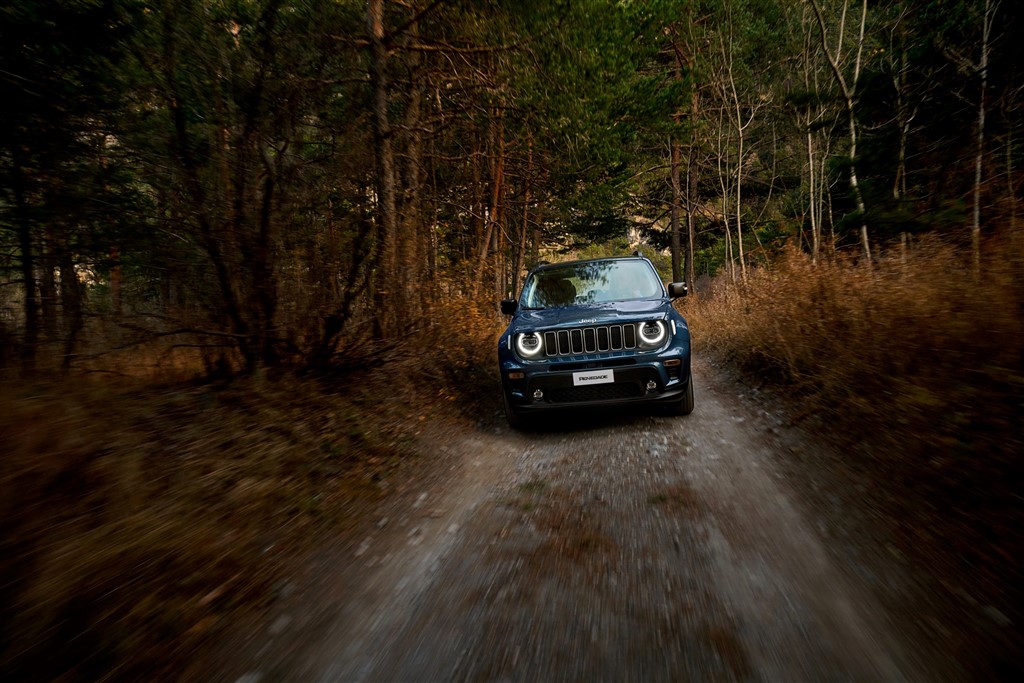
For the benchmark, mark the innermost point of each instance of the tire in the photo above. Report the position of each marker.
(684, 406)
(515, 420)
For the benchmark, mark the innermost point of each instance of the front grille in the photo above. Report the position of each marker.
(596, 392)
(582, 340)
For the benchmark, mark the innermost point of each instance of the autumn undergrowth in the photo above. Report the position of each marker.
(917, 341)
(915, 367)
(458, 354)
(143, 514)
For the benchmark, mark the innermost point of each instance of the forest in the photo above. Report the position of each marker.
(225, 216)
(272, 183)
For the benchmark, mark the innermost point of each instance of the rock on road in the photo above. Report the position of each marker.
(609, 548)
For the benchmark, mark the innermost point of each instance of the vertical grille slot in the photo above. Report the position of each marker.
(577, 340)
(550, 344)
(616, 335)
(563, 343)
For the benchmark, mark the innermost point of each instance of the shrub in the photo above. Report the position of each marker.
(916, 368)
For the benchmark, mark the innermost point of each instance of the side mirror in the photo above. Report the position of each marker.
(677, 289)
(509, 306)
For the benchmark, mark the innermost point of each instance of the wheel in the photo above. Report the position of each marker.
(515, 420)
(684, 406)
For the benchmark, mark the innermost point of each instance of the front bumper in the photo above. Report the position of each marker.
(639, 379)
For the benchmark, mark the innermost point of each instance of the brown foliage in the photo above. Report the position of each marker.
(138, 522)
(913, 342)
(458, 351)
(916, 369)
(143, 513)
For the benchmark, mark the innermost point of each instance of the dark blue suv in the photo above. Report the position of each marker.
(594, 333)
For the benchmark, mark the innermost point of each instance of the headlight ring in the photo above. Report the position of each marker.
(652, 333)
(529, 344)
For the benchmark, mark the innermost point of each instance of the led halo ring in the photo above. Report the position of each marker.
(525, 352)
(656, 339)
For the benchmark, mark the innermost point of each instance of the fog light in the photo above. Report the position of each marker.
(651, 385)
(538, 395)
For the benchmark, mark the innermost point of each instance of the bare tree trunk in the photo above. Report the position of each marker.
(691, 209)
(903, 119)
(115, 280)
(46, 267)
(736, 114)
(414, 246)
(849, 91)
(990, 12)
(536, 235)
(677, 192)
(494, 217)
(689, 195)
(500, 254)
(831, 223)
(478, 220)
(812, 197)
(264, 277)
(1011, 190)
(817, 154)
(740, 128)
(729, 251)
(739, 205)
(71, 300)
(517, 267)
(858, 196)
(30, 340)
(387, 258)
(726, 191)
(430, 234)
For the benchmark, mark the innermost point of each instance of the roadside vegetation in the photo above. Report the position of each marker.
(914, 370)
(146, 515)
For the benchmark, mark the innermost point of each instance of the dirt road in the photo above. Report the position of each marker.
(616, 547)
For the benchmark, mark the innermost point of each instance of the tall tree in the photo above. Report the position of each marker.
(848, 88)
(59, 64)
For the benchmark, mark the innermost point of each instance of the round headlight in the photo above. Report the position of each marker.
(529, 344)
(652, 333)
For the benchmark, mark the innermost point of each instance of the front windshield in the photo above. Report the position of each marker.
(591, 282)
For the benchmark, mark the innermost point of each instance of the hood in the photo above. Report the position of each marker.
(609, 313)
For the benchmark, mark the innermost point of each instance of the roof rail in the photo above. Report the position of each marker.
(638, 253)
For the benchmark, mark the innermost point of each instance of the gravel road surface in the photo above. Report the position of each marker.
(611, 547)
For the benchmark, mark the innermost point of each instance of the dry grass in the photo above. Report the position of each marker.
(916, 368)
(139, 521)
(458, 354)
(143, 513)
(914, 342)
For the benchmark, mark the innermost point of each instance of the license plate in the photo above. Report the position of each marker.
(593, 377)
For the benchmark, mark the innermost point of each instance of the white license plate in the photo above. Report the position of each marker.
(593, 377)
